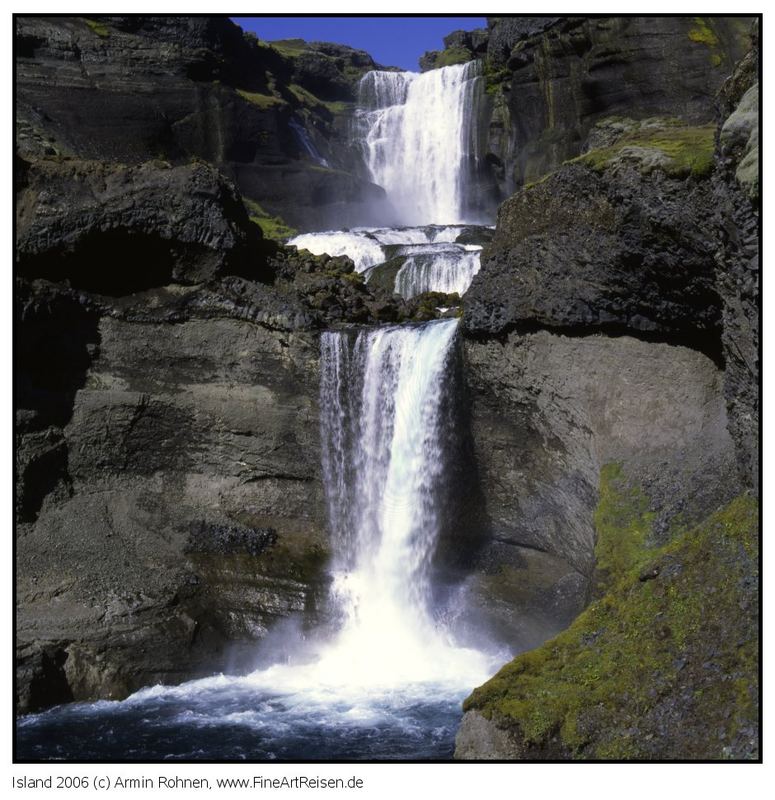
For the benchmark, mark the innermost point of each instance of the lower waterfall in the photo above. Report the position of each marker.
(383, 463)
(390, 681)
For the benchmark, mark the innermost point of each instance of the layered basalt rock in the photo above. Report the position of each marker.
(614, 242)
(736, 199)
(123, 229)
(631, 387)
(129, 89)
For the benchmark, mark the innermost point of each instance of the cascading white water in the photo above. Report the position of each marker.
(363, 249)
(389, 683)
(419, 137)
(383, 462)
(446, 271)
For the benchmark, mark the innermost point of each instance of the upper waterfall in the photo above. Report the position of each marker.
(419, 135)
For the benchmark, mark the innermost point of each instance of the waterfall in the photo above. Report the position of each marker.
(447, 271)
(386, 676)
(383, 433)
(419, 133)
(306, 143)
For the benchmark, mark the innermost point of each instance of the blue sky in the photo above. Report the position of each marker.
(392, 41)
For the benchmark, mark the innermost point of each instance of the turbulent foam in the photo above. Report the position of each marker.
(420, 139)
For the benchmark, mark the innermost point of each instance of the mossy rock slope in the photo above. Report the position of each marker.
(661, 665)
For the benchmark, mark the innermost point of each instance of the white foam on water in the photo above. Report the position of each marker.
(360, 246)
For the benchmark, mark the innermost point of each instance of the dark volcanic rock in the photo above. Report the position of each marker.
(506, 32)
(131, 89)
(736, 198)
(122, 229)
(164, 427)
(227, 539)
(627, 449)
(551, 79)
(613, 251)
(546, 413)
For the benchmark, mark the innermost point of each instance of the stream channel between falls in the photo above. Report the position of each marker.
(389, 682)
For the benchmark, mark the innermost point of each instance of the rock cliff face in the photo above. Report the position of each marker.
(169, 503)
(126, 89)
(157, 453)
(616, 318)
(551, 79)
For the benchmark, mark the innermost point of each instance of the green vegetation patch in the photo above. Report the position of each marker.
(623, 523)
(702, 33)
(306, 98)
(97, 27)
(672, 642)
(452, 56)
(677, 150)
(263, 101)
(273, 227)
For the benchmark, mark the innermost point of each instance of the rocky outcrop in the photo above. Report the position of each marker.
(663, 666)
(547, 413)
(130, 89)
(160, 224)
(617, 241)
(459, 47)
(551, 79)
(736, 199)
(636, 427)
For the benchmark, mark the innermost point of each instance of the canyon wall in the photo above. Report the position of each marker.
(169, 503)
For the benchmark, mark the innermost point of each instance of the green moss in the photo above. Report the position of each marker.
(289, 47)
(308, 99)
(353, 278)
(451, 56)
(590, 691)
(263, 101)
(687, 150)
(97, 27)
(702, 33)
(542, 179)
(623, 523)
(424, 306)
(273, 227)
(304, 96)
